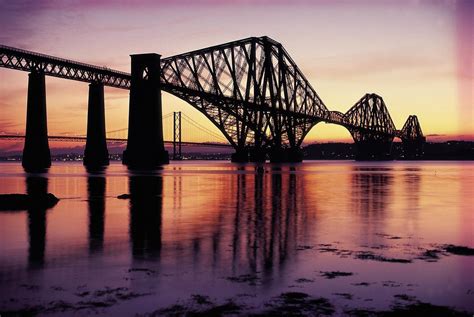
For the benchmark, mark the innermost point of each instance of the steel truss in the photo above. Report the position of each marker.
(250, 89)
(19, 59)
(411, 130)
(369, 120)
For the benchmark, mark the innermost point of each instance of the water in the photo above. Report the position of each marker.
(238, 233)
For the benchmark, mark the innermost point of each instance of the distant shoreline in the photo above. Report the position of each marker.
(433, 151)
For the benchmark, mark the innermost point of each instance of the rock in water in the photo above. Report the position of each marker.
(124, 196)
(459, 250)
(23, 201)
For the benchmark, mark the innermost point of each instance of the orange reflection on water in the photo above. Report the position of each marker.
(199, 223)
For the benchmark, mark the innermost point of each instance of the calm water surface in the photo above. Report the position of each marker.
(238, 232)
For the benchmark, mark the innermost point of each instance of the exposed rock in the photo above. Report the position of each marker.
(12, 202)
(334, 274)
(124, 196)
(458, 250)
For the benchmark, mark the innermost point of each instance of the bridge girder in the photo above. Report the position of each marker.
(19, 59)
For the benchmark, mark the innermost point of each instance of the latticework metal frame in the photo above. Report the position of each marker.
(411, 130)
(369, 120)
(250, 89)
(19, 59)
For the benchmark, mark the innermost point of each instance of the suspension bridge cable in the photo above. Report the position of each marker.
(168, 128)
(205, 131)
(118, 130)
(201, 127)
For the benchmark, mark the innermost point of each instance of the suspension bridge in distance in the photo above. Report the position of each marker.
(175, 136)
(250, 89)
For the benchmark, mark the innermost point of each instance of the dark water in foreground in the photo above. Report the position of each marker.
(202, 234)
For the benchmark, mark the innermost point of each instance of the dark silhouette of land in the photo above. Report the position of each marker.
(451, 150)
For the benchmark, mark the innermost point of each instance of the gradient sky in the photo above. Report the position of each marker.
(418, 55)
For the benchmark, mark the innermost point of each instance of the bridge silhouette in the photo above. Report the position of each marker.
(250, 89)
(173, 135)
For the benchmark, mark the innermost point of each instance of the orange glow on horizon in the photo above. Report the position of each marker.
(413, 61)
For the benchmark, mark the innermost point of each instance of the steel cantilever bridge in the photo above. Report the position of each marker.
(251, 89)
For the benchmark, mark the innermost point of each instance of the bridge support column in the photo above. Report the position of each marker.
(413, 149)
(145, 146)
(36, 154)
(373, 150)
(257, 155)
(286, 155)
(37, 188)
(295, 155)
(241, 155)
(96, 153)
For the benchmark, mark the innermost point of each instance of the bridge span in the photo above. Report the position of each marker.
(250, 89)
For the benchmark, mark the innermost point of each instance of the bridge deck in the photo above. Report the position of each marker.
(18, 59)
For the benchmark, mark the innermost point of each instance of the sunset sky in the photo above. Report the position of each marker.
(416, 54)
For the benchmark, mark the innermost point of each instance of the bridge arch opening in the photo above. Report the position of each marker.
(323, 132)
(329, 141)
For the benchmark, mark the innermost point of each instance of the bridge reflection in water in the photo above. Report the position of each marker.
(36, 186)
(146, 205)
(260, 223)
(263, 214)
(231, 228)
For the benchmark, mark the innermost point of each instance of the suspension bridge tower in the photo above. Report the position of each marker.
(177, 155)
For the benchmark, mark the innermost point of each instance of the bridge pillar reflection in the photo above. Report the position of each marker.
(96, 186)
(36, 153)
(146, 205)
(145, 146)
(36, 187)
(96, 153)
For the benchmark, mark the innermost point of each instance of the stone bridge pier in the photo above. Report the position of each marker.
(36, 153)
(96, 154)
(145, 146)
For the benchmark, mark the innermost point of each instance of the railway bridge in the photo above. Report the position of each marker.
(250, 89)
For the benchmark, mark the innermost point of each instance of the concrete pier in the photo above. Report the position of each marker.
(96, 153)
(241, 155)
(36, 153)
(257, 155)
(145, 146)
(286, 155)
